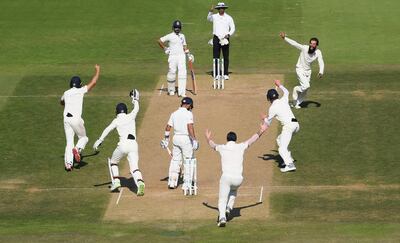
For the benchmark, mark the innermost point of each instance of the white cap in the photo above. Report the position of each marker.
(221, 5)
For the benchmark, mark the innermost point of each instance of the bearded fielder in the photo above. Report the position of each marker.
(308, 54)
(232, 170)
(184, 141)
(280, 109)
(72, 100)
(127, 146)
(177, 48)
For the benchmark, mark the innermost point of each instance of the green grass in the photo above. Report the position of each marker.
(350, 139)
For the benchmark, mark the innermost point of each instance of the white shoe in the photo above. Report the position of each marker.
(221, 222)
(171, 93)
(228, 212)
(289, 167)
(183, 96)
(217, 77)
(226, 77)
(115, 186)
(297, 106)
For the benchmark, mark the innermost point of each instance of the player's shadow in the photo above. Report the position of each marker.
(309, 104)
(180, 180)
(236, 211)
(83, 163)
(275, 157)
(125, 182)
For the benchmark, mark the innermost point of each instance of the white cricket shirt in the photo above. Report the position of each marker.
(280, 109)
(305, 59)
(222, 24)
(73, 99)
(125, 124)
(232, 157)
(179, 120)
(175, 43)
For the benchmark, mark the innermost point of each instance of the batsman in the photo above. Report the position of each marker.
(184, 142)
(127, 146)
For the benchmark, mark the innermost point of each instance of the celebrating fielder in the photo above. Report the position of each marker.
(308, 54)
(177, 48)
(232, 169)
(184, 141)
(72, 100)
(281, 110)
(127, 146)
(223, 29)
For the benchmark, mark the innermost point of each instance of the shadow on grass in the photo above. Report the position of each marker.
(235, 213)
(309, 103)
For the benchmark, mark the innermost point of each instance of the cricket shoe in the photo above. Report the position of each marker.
(77, 155)
(171, 93)
(226, 77)
(221, 222)
(140, 190)
(289, 167)
(115, 185)
(217, 77)
(297, 106)
(68, 167)
(228, 212)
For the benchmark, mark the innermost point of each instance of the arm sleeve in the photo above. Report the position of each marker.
(84, 89)
(62, 97)
(321, 63)
(251, 140)
(135, 110)
(285, 92)
(170, 121)
(210, 16)
(294, 43)
(191, 120)
(108, 130)
(232, 27)
(184, 40)
(164, 38)
(271, 115)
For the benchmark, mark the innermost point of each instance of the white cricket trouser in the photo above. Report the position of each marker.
(129, 148)
(182, 149)
(300, 92)
(283, 141)
(72, 126)
(177, 63)
(228, 186)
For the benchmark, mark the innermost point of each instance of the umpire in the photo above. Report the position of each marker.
(223, 29)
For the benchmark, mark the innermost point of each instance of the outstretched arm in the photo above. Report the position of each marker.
(284, 90)
(256, 136)
(209, 140)
(210, 13)
(321, 65)
(95, 78)
(290, 41)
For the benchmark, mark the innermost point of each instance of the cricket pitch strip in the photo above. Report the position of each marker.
(236, 108)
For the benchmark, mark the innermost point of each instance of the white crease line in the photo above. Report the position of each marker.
(162, 87)
(119, 196)
(261, 194)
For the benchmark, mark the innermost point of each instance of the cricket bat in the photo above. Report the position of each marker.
(194, 85)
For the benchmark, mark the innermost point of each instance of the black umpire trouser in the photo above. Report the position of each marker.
(217, 52)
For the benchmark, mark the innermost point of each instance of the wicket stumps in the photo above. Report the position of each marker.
(218, 73)
(190, 177)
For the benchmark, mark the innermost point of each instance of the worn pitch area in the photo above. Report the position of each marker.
(236, 108)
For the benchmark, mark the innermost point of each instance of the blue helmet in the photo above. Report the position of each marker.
(187, 101)
(272, 95)
(121, 108)
(75, 82)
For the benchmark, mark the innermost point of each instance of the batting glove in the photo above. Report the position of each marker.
(97, 144)
(195, 145)
(134, 94)
(190, 57)
(164, 143)
(167, 50)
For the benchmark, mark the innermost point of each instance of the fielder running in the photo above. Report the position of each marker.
(72, 100)
(184, 140)
(127, 146)
(232, 170)
(280, 109)
(308, 54)
(177, 48)
(223, 29)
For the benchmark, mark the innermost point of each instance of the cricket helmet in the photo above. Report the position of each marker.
(272, 95)
(187, 101)
(75, 82)
(177, 24)
(121, 108)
